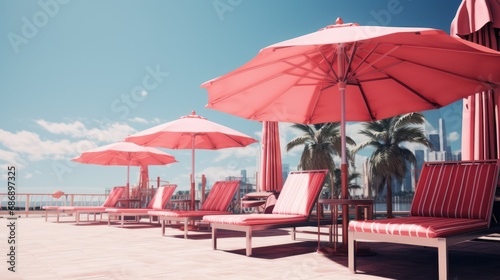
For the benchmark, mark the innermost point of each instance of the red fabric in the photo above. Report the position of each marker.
(478, 21)
(473, 15)
(380, 82)
(429, 227)
(455, 191)
(220, 196)
(271, 176)
(255, 219)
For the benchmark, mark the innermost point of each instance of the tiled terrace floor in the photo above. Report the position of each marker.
(96, 251)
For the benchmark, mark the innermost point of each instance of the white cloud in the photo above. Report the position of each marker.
(138, 120)
(352, 130)
(74, 129)
(26, 143)
(454, 136)
(250, 151)
(429, 128)
(10, 158)
(108, 133)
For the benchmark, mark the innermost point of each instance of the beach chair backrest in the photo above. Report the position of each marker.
(161, 197)
(300, 191)
(220, 195)
(456, 189)
(113, 196)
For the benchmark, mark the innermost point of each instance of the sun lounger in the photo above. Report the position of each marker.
(217, 203)
(158, 202)
(292, 209)
(452, 203)
(115, 194)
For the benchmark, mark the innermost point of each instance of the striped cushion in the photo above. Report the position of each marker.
(255, 219)
(299, 193)
(419, 226)
(220, 195)
(180, 214)
(455, 191)
(113, 196)
(161, 197)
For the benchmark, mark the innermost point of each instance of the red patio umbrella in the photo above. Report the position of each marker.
(191, 132)
(478, 21)
(270, 171)
(376, 72)
(125, 154)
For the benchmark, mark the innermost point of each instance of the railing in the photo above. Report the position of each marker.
(32, 203)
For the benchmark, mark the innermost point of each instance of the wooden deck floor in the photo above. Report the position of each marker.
(96, 251)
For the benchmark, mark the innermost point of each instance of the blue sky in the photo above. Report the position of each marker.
(78, 74)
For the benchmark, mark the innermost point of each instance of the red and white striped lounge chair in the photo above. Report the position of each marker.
(217, 203)
(453, 203)
(292, 209)
(115, 194)
(158, 202)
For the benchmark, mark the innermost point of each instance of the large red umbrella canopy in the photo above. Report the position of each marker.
(125, 154)
(478, 21)
(374, 71)
(191, 132)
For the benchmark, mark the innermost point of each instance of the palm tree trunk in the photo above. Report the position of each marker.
(389, 197)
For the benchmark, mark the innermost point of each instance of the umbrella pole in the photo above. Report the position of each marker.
(192, 171)
(128, 180)
(343, 170)
(343, 165)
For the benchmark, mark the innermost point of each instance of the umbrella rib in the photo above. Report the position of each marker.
(363, 95)
(355, 47)
(363, 59)
(371, 64)
(489, 84)
(295, 66)
(229, 95)
(330, 64)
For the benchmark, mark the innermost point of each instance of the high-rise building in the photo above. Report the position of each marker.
(285, 167)
(419, 155)
(436, 143)
(443, 138)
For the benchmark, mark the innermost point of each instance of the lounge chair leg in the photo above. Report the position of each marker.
(351, 257)
(186, 221)
(57, 217)
(249, 241)
(46, 214)
(123, 218)
(294, 233)
(214, 238)
(162, 226)
(443, 259)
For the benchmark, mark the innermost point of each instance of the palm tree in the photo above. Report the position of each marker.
(321, 142)
(352, 176)
(389, 158)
